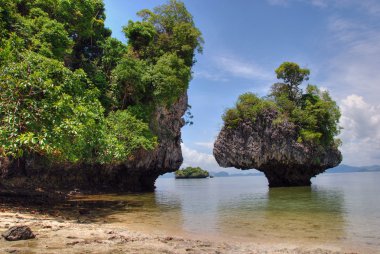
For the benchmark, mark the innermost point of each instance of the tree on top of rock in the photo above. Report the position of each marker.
(287, 94)
(313, 111)
(289, 135)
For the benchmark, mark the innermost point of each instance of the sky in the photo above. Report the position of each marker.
(246, 40)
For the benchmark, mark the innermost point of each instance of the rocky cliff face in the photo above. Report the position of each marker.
(272, 149)
(137, 174)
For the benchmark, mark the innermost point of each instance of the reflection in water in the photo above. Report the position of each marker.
(198, 211)
(136, 210)
(291, 214)
(157, 210)
(340, 209)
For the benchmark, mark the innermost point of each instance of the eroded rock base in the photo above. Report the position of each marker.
(88, 178)
(289, 177)
(287, 182)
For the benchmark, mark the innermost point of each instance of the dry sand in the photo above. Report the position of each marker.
(55, 235)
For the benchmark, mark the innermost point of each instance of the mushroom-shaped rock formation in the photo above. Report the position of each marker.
(273, 149)
(288, 135)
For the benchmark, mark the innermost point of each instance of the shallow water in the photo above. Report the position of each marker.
(338, 209)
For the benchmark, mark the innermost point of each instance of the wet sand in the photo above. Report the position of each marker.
(82, 235)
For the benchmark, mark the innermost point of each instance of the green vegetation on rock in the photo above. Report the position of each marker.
(191, 172)
(313, 111)
(248, 106)
(69, 91)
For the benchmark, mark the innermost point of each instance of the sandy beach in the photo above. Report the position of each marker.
(55, 235)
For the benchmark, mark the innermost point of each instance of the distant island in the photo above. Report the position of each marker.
(350, 169)
(339, 169)
(191, 172)
(226, 174)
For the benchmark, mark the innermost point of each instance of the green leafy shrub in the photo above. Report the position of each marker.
(68, 91)
(123, 135)
(169, 78)
(248, 106)
(160, 56)
(45, 108)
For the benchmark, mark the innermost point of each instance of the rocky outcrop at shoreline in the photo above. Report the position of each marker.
(137, 174)
(272, 148)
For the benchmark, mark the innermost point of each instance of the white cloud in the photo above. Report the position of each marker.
(243, 69)
(355, 69)
(212, 76)
(353, 75)
(361, 133)
(224, 67)
(347, 31)
(318, 3)
(369, 6)
(208, 145)
(194, 158)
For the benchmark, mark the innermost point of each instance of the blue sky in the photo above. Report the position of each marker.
(245, 40)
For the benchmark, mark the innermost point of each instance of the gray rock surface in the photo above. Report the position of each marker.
(18, 233)
(272, 149)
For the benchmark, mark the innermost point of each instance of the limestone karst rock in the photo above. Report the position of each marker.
(138, 173)
(273, 149)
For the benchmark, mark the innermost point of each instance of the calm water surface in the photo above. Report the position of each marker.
(341, 209)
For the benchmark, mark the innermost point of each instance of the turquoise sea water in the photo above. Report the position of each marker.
(338, 209)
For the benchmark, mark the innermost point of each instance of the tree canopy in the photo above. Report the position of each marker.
(313, 111)
(70, 91)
